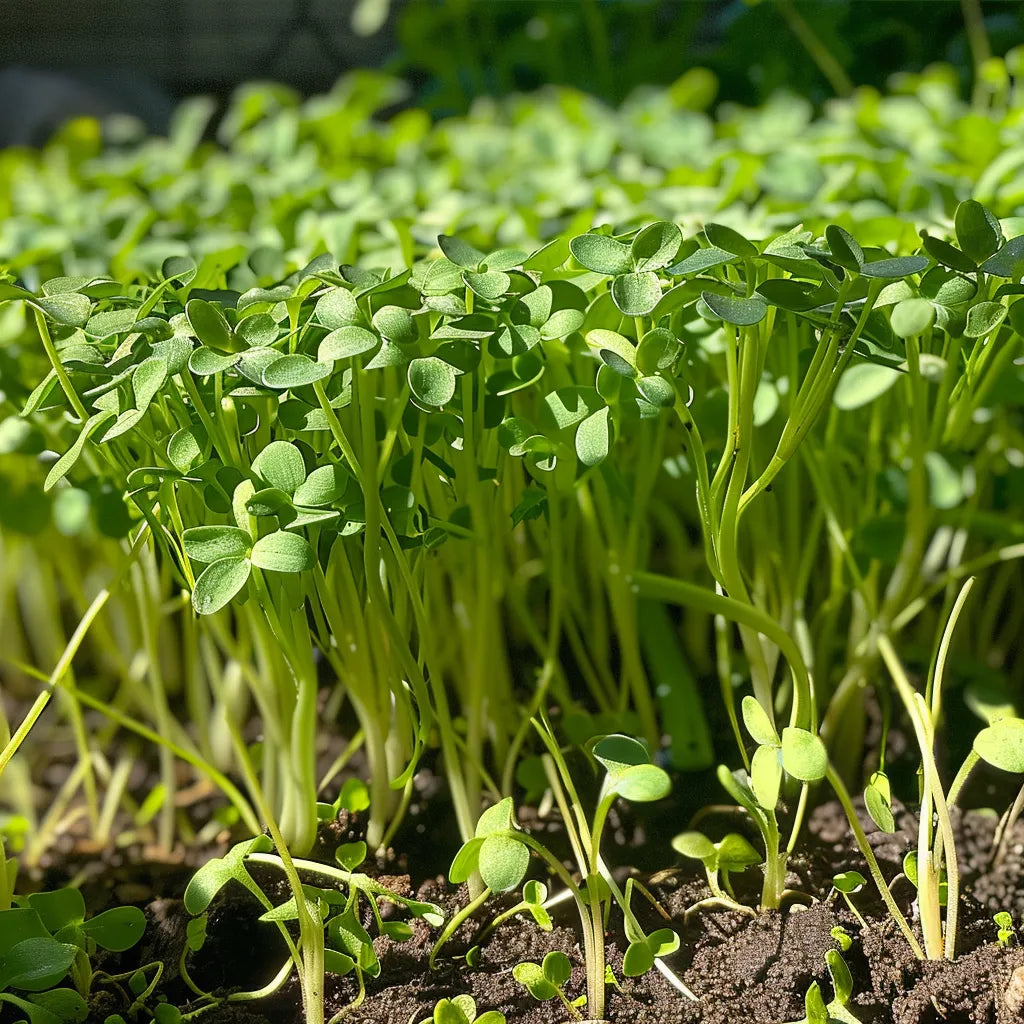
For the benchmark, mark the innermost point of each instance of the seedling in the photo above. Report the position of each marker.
(500, 853)
(348, 947)
(817, 1011)
(1006, 933)
(46, 938)
(731, 853)
(547, 980)
(846, 883)
(461, 1010)
(797, 752)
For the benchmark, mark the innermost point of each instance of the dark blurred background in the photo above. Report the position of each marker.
(139, 56)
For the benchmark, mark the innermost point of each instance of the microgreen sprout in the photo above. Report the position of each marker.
(348, 947)
(461, 1010)
(731, 853)
(1006, 933)
(817, 1011)
(547, 980)
(846, 883)
(500, 853)
(47, 937)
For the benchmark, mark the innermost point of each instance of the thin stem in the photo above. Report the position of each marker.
(875, 871)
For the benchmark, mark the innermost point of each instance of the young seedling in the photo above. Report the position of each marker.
(500, 853)
(846, 883)
(1006, 934)
(731, 853)
(535, 898)
(461, 1010)
(547, 980)
(348, 947)
(798, 753)
(62, 912)
(836, 1011)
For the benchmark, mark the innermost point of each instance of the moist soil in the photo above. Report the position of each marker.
(743, 968)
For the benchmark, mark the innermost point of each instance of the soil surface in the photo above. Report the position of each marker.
(754, 969)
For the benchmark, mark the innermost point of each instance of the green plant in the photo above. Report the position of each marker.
(820, 1012)
(47, 938)
(547, 980)
(1006, 934)
(731, 853)
(461, 1010)
(347, 947)
(846, 883)
(500, 853)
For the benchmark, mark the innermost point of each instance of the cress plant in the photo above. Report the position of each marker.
(500, 852)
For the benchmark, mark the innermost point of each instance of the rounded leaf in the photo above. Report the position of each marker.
(618, 752)
(894, 268)
(803, 754)
(849, 881)
(862, 383)
(878, 801)
(695, 845)
(531, 976)
(283, 552)
(218, 583)
(758, 724)
(116, 929)
(432, 381)
(983, 318)
(209, 543)
(593, 438)
(503, 862)
(210, 326)
(734, 310)
(602, 254)
(466, 861)
(766, 776)
(656, 390)
(36, 963)
(658, 350)
(636, 294)
(337, 308)
(461, 253)
(396, 324)
(294, 371)
(346, 342)
(638, 959)
(497, 818)
(846, 250)
(730, 240)
(643, 783)
(912, 317)
(1002, 745)
(488, 286)
(535, 892)
(656, 245)
(736, 853)
(323, 486)
(977, 230)
(281, 465)
(557, 968)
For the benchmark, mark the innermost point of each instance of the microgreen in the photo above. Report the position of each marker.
(461, 1010)
(1006, 933)
(820, 1012)
(500, 852)
(547, 980)
(340, 944)
(47, 937)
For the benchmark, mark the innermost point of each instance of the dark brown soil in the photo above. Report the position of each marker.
(754, 970)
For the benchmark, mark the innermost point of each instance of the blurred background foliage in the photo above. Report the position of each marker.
(139, 56)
